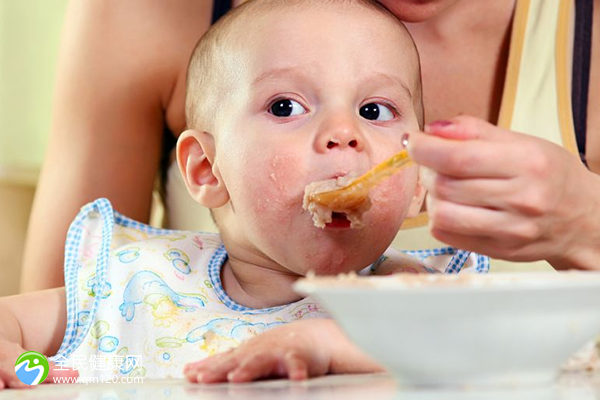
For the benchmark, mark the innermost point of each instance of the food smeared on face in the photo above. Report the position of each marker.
(324, 215)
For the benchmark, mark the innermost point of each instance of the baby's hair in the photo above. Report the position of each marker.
(211, 78)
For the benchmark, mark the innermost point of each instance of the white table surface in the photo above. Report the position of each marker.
(572, 386)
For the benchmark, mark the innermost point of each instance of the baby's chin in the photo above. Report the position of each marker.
(341, 261)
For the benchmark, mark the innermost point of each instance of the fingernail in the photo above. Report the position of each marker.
(404, 140)
(438, 125)
(199, 377)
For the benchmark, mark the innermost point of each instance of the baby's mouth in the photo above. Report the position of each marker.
(333, 217)
(338, 175)
(338, 221)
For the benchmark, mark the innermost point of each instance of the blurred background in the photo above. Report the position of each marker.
(29, 39)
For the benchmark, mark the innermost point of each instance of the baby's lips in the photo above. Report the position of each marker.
(338, 175)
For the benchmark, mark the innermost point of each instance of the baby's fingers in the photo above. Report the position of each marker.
(8, 380)
(191, 370)
(212, 370)
(254, 367)
(296, 367)
(61, 375)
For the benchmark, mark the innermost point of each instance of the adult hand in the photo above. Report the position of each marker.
(508, 195)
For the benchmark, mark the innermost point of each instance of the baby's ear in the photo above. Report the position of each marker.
(195, 157)
(416, 204)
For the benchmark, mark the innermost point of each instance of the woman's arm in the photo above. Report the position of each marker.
(120, 80)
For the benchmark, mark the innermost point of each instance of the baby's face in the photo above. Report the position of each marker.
(321, 93)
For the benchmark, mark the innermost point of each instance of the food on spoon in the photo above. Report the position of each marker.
(347, 197)
(323, 214)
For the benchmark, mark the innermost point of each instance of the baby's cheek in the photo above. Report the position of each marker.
(284, 172)
(392, 198)
(274, 184)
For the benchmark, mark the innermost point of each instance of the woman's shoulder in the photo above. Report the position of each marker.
(157, 19)
(158, 35)
(141, 45)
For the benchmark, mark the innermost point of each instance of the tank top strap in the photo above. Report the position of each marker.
(537, 92)
(582, 51)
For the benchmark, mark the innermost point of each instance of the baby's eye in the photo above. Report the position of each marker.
(286, 108)
(376, 112)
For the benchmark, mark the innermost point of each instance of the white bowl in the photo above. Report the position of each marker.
(465, 329)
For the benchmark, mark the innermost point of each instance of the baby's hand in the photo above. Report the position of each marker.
(293, 350)
(9, 352)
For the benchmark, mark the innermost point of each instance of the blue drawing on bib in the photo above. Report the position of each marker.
(129, 364)
(82, 318)
(146, 286)
(129, 255)
(229, 328)
(108, 344)
(180, 260)
(94, 287)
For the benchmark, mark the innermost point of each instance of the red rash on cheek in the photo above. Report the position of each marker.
(283, 172)
(281, 179)
(275, 182)
(393, 196)
(394, 189)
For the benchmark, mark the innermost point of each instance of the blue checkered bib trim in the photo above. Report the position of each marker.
(76, 330)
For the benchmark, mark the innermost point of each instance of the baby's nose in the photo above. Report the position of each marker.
(341, 134)
(335, 142)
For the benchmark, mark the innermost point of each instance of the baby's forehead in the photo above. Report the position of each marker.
(316, 32)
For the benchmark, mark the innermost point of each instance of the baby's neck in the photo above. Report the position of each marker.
(257, 286)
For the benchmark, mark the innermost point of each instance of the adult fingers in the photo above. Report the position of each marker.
(513, 250)
(478, 221)
(466, 159)
(518, 195)
(469, 146)
(482, 192)
(464, 127)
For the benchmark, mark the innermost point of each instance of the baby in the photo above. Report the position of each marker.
(280, 94)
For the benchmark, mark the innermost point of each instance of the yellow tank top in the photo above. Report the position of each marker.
(536, 100)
